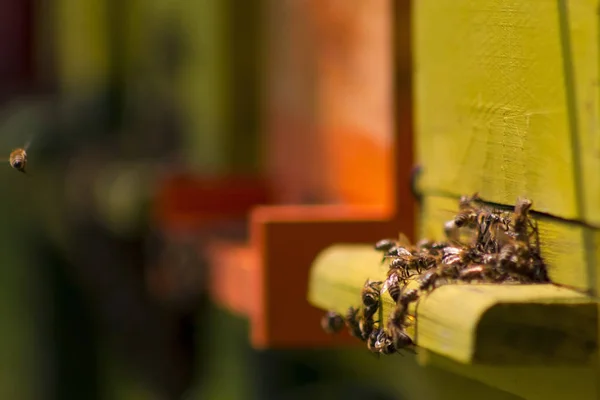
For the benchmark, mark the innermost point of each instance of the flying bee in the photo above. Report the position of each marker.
(392, 284)
(18, 159)
(23, 118)
(353, 323)
(332, 322)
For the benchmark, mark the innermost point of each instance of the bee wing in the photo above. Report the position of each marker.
(403, 251)
(22, 120)
(403, 240)
(385, 286)
(389, 282)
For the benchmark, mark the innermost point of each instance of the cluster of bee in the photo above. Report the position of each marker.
(362, 324)
(482, 245)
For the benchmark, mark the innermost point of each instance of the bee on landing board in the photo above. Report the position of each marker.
(332, 322)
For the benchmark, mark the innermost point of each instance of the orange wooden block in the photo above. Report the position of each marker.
(187, 201)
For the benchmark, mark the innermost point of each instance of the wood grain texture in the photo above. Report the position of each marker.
(507, 101)
(471, 324)
(527, 382)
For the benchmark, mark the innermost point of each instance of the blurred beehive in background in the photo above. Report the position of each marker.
(329, 138)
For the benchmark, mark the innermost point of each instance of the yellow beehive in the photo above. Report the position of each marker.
(507, 105)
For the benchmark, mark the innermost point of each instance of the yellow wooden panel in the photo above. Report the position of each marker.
(582, 19)
(531, 383)
(492, 106)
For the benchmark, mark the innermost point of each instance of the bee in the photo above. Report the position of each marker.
(366, 326)
(431, 247)
(384, 343)
(398, 315)
(353, 322)
(451, 231)
(332, 322)
(404, 262)
(487, 238)
(455, 255)
(397, 321)
(400, 339)
(431, 278)
(514, 258)
(402, 267)
(370, 294)
(539, 266)
(466, 218)
(385, 245)
(372, 340)
(18, 159)
(392, 284)
(466, 202)
(402, 247)
(425, 262)
(476, 272)
(520, 214)
(409, 296)
(428, 280)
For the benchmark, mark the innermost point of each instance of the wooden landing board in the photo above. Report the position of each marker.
(471, 324)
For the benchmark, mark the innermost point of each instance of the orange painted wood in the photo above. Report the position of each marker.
(233, 278)
(288, 239)
(189, 201)
(338, 131)
(362, 131)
